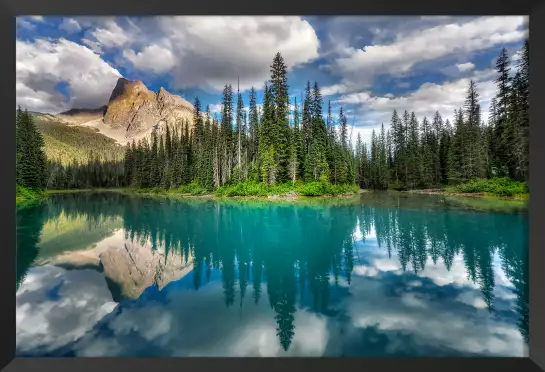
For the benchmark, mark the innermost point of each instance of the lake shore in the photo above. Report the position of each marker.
(474, 195)
(291, 196)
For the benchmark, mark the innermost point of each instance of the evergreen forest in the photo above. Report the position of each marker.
(270, 145)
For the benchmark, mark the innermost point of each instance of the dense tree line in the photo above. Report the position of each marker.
(278, 145)
(262, 145)
(425, 153)
(94, 173)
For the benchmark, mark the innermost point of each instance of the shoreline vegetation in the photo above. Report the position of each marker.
(494, 189)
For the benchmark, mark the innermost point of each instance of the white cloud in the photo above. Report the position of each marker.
(215, 108)
(472, 298)
(209, 52)
(398, 58)
(425, 101)
(23, 23)
(465, 66)
(47, 324)
(43, 64)
(37, 18)
(333, 89)
(152, 58)
(70, 25)
(108, 34)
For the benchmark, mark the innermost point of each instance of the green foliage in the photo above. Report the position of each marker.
(193, 188)
(25, 194)
(503, 187)
(315, 188)
(68, 144)
(248, 188)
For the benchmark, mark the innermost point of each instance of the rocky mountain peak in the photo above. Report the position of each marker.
(137, 110)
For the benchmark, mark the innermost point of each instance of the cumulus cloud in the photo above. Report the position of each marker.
(106, 34)
(465, 66)
(209, 52)
(22, 22)
(358, 69)
(45, 323)
(373, 110)
(42, 65)
(172, 329)
(152, 58)
(70, 25)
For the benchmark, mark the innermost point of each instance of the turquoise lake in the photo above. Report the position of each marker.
(379, 275)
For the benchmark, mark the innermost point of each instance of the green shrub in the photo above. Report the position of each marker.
(313, 189)
(248, 188)
(27, 194)
(193, 188)
(396, 186)
(496, 186)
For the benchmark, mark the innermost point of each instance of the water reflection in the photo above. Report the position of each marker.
(351, 265)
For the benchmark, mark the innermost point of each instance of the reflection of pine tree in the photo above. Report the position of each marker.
(228, 277)
(349, 260)
(515, 263)
(284, 318)
(257, 272)
(30, 221)
(208, 263)
(289, 264)
(197, 272)
(486, 276)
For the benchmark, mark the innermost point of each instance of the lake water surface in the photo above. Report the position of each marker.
(382, 275)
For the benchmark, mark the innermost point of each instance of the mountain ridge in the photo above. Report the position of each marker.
(133, 112)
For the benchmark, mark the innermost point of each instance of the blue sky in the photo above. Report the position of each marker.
(368, 65)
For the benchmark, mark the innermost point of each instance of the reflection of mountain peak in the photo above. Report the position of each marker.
(132, 267)
(129, 267)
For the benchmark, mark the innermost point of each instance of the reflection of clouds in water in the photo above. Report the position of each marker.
(459, 321)
(45, 320)
(435, 312)
(404, 318)
(310, 338)
(176, 328)
(433, 321)
(472, 298)
(457, 275)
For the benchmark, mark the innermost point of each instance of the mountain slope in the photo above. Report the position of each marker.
(133, 112)
(73, 143)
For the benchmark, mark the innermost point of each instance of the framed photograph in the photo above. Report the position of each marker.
(273, 191)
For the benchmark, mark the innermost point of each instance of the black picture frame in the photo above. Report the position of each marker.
(534, 8)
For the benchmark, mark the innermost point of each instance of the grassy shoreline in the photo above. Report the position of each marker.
(251, 191)
(474, 195)
(493, 190)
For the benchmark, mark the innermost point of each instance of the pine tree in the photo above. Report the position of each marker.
(254, 123)
(437, 127)
(31, 159)
(427, 147)
(128, 174)
(240, 133)
(307, 120)
(280, 124)
(502, 160)
(414, 156)
(226, 134)
(473, 133)
(155, 179)
(398, 140)
(298, 140)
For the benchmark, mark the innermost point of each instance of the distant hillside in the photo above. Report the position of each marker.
(68, 143)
